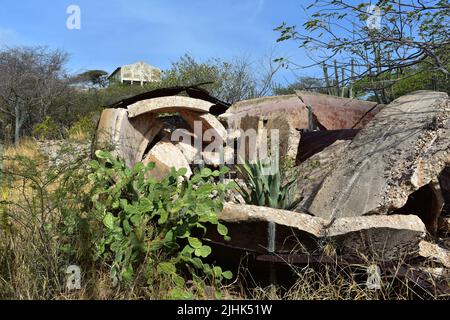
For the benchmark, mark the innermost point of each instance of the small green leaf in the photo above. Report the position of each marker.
(227, 275)
(164, 215)
(102, 154)
(179, 281)
(182, 172)
(167, 268)
(222, 230)
(203, 251)
(108, 221)
(217, 271)
(195, 243)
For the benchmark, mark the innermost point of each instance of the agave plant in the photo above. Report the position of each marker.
(265, 187)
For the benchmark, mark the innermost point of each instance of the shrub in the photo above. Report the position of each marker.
(266, 188)
(46, 129)
(83, 129)
(157, 227)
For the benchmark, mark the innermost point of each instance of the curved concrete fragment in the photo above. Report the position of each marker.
(166, 156)
(168, 104)
(128, 138)
(406, 146)
(208, 121)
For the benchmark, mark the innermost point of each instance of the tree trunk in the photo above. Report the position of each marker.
(17, 126)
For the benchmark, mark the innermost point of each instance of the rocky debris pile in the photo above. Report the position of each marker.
(393, 165)
(374, 179)
(163, 130)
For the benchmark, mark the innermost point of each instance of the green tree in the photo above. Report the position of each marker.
(408, 34)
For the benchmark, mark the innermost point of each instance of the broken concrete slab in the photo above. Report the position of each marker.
(403, 148)
(168, 104)
(208, 121)
(166, 156)
(289, 137)
(313, 171)
(379, 237)
(382, 238)
(434, 253)
(236, 213)
(186, 144)
(248, 228)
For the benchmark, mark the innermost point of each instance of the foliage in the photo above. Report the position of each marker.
(160, 224)
(303, 83)
(83, 129)
(33, 80)
(47, 129)
(229, 81)
(92, 78)
(266, 188)
(408, 34)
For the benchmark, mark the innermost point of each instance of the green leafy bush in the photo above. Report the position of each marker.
(46, 129)
(155, 225)
(83, 129)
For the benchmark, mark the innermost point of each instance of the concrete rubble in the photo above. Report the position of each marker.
(381, 238)
(374, 179)
(404, 148)
(141, 133)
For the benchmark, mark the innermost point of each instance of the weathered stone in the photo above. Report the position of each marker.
(403, 148)
(435, 253)
(166, 156)
(168, 104)
(380, 237)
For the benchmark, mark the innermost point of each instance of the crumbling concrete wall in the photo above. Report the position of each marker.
(405, 147)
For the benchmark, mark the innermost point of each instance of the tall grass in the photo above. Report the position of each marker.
(42, 231)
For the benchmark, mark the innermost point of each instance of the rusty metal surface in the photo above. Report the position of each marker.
(333, 113)
(194, 91)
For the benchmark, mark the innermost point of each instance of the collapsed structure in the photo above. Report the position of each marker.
(374, 179)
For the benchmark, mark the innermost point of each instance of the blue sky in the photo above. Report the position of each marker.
(117, 32)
